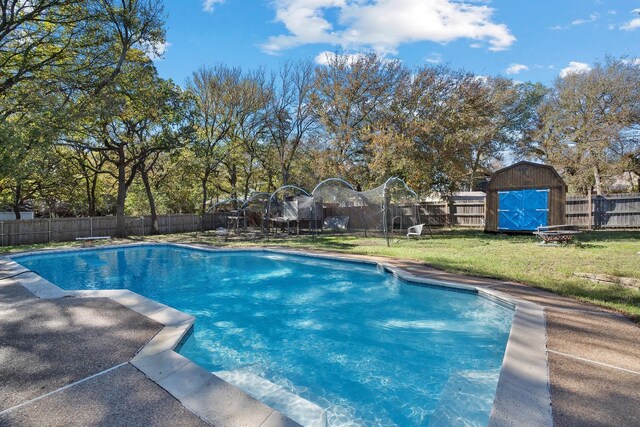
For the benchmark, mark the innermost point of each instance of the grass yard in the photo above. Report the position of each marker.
(472, 252)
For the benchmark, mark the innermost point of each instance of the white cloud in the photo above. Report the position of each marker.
(156, 52)
(593, 17)
(434, 58)
(324, 58)
(632, 61)
(633, 24)
(208, 5)
(383, 25)
(516, 68)
(575, 68)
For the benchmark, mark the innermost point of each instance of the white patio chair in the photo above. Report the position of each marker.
(415, 231)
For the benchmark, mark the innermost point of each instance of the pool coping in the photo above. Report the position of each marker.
(522, 396)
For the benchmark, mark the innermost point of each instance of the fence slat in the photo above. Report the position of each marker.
(33, 231)
(609, 211)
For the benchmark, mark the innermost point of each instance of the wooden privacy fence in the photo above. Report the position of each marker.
(609, 211)
(28, 232)
(464, 213)
(599, 212)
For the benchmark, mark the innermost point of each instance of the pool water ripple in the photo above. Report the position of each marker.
(367, 348)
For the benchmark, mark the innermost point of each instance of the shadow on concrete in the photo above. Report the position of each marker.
(46, 344)
(123, 396)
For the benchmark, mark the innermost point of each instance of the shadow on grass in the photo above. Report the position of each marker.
(341, 243)
(586, 239)
(609, 236)
(478, 234)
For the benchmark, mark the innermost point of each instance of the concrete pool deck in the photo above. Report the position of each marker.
(593, 356)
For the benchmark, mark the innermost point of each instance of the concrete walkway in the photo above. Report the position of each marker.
(65, 362)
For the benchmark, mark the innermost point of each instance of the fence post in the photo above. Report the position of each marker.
(452, 212)
(49, 227)
(446, 212)
(1, 233)
(589, 209)
(483, 220)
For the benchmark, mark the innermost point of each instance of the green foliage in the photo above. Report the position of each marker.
(588, 125)
(83, 108)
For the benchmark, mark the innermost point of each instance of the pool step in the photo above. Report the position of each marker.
(460, 403)
(293, 406)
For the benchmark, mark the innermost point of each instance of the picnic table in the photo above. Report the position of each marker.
(556, 233)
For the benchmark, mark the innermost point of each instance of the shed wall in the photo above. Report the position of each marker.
(526, 176)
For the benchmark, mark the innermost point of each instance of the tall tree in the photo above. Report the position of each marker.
(57, 55)
(130, 122)
(351, 93)
(497, 115)
(218, 101)
(73, 44)
(583, 122)
(88, 165)
(421, 135)
(291, 117)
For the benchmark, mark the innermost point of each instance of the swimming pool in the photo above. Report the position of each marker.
(359, 343)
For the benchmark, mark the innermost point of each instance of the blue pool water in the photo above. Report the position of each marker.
(366, 347)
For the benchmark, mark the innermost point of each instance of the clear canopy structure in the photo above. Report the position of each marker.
(332, 206)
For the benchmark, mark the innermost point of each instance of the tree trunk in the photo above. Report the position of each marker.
(474, 169)
(90, 184)
(152, 203)
(121, 226)
(245, 190)
(16, 200)
(598, 181)
(233, 181)
(87, 189)
(471, 177)
(93, 203)
(204, 182)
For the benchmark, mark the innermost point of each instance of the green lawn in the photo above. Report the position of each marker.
(516, 258)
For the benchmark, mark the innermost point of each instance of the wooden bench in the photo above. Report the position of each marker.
(87, 242)
(556, 234)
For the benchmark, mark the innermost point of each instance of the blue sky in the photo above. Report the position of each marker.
(534, 40)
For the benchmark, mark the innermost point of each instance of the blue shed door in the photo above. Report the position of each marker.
(523, 210)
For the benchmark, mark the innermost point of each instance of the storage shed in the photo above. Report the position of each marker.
(524, 196)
